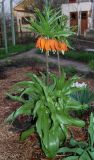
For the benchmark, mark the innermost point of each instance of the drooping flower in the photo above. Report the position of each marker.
(63, 46)
(51, 45)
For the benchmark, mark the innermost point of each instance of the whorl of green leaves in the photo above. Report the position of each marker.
(50, 23)
(50, 105)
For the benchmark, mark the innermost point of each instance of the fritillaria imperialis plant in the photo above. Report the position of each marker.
(50, 105)
(52, 30)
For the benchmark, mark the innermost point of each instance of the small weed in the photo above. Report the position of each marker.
(70, 71)
(91, 64)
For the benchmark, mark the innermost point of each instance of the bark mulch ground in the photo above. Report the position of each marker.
(10, 146)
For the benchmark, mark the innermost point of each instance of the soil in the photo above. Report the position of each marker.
(10, 146)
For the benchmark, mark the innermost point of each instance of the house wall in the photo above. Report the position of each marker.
(78, 7)
(19, 15)
(67, 8)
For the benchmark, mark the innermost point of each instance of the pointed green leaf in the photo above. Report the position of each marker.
(24, 135)
(72, 158)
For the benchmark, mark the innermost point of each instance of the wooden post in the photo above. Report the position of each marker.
(12, 23)
(92, 13)
(4, 27)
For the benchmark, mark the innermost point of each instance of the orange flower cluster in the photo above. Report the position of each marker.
(51, 45)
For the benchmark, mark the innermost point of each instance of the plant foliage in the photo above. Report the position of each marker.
(82, 150)
(50, 24)
(91, 64)
(50, 105)
(84, 96)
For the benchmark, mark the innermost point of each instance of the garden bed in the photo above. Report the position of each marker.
(10, 146)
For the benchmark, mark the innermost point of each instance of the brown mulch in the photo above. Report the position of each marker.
(10, 146)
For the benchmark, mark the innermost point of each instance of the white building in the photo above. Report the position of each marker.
(80, 13)
(22, 16)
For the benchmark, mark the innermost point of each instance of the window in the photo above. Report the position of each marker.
(73, 15)
(83, 15)
(25, 20)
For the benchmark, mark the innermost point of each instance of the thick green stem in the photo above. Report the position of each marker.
(47, 69)
(59, 68)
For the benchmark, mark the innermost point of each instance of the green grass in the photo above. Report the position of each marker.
(81, 56)
(91, 64)
(15, 49)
